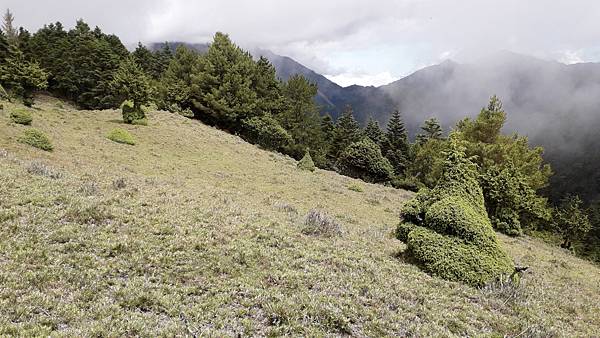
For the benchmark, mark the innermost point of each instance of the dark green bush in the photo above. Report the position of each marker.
(447, 229)
(131, 113)
(409, 183)
(120, 135)
(363, 159)
(36, 138)
(266, 132)
(21, 116)
(306, 163)
(28, 101)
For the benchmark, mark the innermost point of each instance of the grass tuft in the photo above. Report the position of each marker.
(21, 116)
(318, 222)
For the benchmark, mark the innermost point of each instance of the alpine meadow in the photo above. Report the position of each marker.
(207, 186)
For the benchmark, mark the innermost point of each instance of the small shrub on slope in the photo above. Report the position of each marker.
(36, 138)
(132, 114)
(306, 163)
(21, 116)
(318, 222)
(447, 229)
(120, 135)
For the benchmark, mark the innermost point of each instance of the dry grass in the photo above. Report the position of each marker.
(204, 239)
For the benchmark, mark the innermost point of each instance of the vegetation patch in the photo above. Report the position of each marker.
(121, 135)
(318, 222)
(21, 116)
(36, 138)
(306, 163)
(39, 168)
(447, 230)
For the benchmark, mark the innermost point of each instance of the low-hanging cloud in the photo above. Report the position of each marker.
(413, 33)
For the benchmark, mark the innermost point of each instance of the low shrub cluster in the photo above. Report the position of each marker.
(36, 138)
(133, 114)
(447, 229)
(121, 135)
(21, 116)
(363, 159)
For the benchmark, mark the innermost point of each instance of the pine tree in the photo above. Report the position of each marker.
(571, 221)
(145, 59)
(374, 132)
(8, 28)
(432, 130)
(346, 132)
(174, 87)
(131, 83)
(222, 90)
(397, 147)
(268, 88)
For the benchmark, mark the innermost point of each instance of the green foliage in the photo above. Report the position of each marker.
(397, 148)
(509, 199)
(3, 93)
(363, 159)
(432, 130)
(346, 132)
(81, 63)
(374, 132)
(222, 90)
(176, 81)
(130, 83)
(409, 183)
(121, 135)
(447, 230)
(36, 138)
(428, 161)
(306, 163)
(131, 113)
(21, 116)
(21, 76)
(571, 221)
(355, 187)
(266, 132)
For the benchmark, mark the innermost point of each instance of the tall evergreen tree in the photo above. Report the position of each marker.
(8, 27)
(374, 132)
(131, 83)
(347, 131)
(176, 81)
(432, 130)
(222, 91)
(145, 59)
(397, 147)
(268, 89)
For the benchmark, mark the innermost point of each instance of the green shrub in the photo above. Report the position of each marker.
(21, 116)
(140, 122)
(28, 101)
(3, 93)
(266, 132)
(355, 187)
(363, 159)
(447, 229)
(131, 113)
(409, 183)
(120, 135)
(36, 138)
(306, 163)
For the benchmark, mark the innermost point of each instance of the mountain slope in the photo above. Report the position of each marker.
(194, 232)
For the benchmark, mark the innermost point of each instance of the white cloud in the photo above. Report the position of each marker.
(348, 79)
(394, 36)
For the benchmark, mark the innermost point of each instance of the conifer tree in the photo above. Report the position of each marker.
(222, 91)
(268, 89)
(176, 81)
(571, 221)
(8, 27)
(145, 59)
(131, 83)
(432, 130)
(374, 132)
(346, 132)
(397, 147)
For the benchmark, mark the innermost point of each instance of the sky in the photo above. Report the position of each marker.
(349, 41)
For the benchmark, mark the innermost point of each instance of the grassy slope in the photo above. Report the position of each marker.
(205, 238)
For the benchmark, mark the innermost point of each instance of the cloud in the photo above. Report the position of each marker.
(348, 79)
(321, 34)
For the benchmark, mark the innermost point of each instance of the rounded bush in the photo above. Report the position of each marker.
(266, 132)
(447, 229)
(36, 138)
(363, 159)
(120, 135)
(21, 116)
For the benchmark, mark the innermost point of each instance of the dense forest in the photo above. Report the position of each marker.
(228, 88)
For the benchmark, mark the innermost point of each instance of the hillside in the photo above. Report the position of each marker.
(192, 231)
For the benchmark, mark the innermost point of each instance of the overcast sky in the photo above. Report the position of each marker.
(349, 41)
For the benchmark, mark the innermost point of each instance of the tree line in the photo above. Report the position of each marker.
(228, 88)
